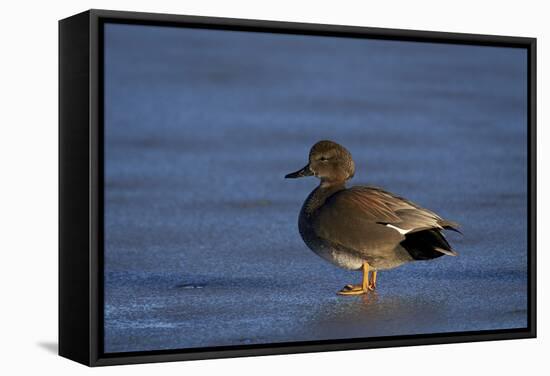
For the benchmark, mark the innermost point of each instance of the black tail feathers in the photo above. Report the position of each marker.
(427, 244)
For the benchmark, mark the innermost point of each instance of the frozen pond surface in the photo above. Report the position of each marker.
(202, 244)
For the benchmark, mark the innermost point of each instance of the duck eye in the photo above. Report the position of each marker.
(323, 159)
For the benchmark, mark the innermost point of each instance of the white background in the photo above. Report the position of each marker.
(28, 189)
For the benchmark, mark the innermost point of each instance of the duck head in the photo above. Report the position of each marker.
(330, 162)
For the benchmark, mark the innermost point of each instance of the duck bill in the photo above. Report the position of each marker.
(306, 171)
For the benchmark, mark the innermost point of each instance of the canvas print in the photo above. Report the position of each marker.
(266, 188)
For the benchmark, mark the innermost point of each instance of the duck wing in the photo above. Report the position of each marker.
(397, 211)
(364, 217)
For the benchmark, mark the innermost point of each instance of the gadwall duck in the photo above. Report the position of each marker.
(362, 227)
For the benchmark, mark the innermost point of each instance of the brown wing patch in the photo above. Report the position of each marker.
(383, 207)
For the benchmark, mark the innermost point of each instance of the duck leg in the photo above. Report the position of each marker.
(363, 287)
(372, 284)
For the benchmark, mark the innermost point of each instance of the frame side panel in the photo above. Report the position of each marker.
(74, 112)
(532, 183)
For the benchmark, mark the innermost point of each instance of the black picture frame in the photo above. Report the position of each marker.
(81, 182)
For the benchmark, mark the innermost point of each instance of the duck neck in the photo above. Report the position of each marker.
(320, 194)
